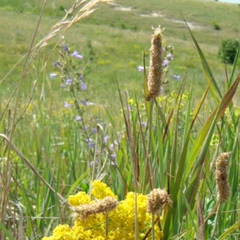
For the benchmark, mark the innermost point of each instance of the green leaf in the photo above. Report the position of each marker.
(6, 232)
(207, 71)
(230, 230)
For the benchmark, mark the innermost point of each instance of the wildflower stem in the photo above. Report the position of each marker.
(153, 236)
(106, 232)
(149, 166)
(216, 220)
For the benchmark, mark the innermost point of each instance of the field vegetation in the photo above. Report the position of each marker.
(74, 110)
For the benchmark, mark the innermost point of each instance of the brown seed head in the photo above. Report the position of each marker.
(221, 175)
(155, 66)
(156, 199)
(105, 205)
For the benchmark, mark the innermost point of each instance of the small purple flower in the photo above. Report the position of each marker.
(67, 105)
(170, 56)
(113, 156)
(105, 139)
(129, 107)
(165, 62)
(62, 85)
(78, 118)
(57, 64)
(97, 161)
(69, 81)
(85, 103)
(140, 68)
(77, 55)
(83, 86)
(81, 77)
(52, 75)
(176, 77)
(111, 146)
(94, 130)
(91, 164)
(64, 48)
(90, 143)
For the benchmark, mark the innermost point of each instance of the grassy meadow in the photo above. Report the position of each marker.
(68, 119)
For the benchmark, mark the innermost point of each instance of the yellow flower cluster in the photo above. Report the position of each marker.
(101, 190)
(120, 220)
(79, 199)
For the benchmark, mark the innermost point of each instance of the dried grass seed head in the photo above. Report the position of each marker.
(156, 64)
(105, 205)
(157, 199)
(221, 175)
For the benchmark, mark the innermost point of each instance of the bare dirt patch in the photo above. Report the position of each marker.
(191, 25)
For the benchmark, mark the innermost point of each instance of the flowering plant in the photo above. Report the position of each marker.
(100, 215)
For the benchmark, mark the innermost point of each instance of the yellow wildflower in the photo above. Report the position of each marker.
(78, 199)
(61, 232)
(120, 220)
(101, 190)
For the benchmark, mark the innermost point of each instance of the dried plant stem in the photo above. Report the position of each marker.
(153, 234)
(134, 161)
(216, 221)
(149, 165)
(107, 223)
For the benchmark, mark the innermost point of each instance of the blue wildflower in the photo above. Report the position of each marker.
(77, 55)
(113, 156)
(85, 103)
(90, 143)
(176, 77)
(170, 56)
(105, 139)
(83, 86)
(69, 81)
(57, 64)
(64, 48)
(94, 130)
(140, 68)
(67, 105)
(52, 75)
(165, 62)
(78, 118)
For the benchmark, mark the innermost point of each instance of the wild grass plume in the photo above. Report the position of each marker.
(221, 173)
(157, 199)
(156, 64)
(102, 206)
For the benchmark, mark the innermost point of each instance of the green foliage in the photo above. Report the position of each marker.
(228, 50)
(216, 26)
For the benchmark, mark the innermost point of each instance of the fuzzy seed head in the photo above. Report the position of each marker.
(157, 199)
(155, 67)
(105, 205)
(221, 175)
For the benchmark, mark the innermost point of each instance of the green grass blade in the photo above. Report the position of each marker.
(6, 232)
(207, 71)
(230, 230)
(145, 86)
(77, 182)
(216, 115)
